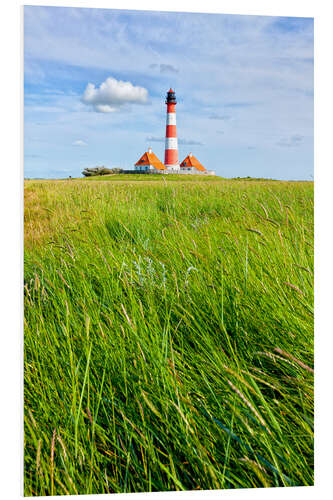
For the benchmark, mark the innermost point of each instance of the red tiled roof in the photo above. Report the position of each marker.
(150, 159)
(192, 161)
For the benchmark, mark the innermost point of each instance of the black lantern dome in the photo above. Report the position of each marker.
(171, 97)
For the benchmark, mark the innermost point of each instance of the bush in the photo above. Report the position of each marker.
(88, 172)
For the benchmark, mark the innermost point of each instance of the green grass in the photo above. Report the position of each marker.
(168, 335)
(153, 177)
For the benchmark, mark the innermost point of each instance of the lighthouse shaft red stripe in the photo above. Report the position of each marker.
(171, 131)
(171, 107)
(171, 157)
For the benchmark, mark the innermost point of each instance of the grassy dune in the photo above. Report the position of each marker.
(168, 335)
(153, 178)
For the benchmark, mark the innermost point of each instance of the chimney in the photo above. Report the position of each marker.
(150, 150)
(190, 154)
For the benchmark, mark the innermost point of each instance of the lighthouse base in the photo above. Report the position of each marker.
(172, 168)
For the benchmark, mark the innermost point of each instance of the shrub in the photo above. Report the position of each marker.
(88, 172)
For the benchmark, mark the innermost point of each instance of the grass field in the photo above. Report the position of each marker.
(168, 335)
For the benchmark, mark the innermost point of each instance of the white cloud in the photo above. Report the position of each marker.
(155, 139)
(290, 142)
(164, 68)
(190, 142)
(79, 142)
(216, 116)
(183, 142)
(112, 94)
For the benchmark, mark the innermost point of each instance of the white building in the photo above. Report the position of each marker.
(149, 163)
(191, 165)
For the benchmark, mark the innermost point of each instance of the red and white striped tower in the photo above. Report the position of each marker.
(171, 145)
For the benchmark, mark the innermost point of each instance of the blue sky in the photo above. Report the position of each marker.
(95, 82)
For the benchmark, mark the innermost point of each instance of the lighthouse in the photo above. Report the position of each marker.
(171, 145)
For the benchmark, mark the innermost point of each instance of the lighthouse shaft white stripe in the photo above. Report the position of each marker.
(171, 143)
(171, 119)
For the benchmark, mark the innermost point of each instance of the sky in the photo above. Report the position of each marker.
(95, 82)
